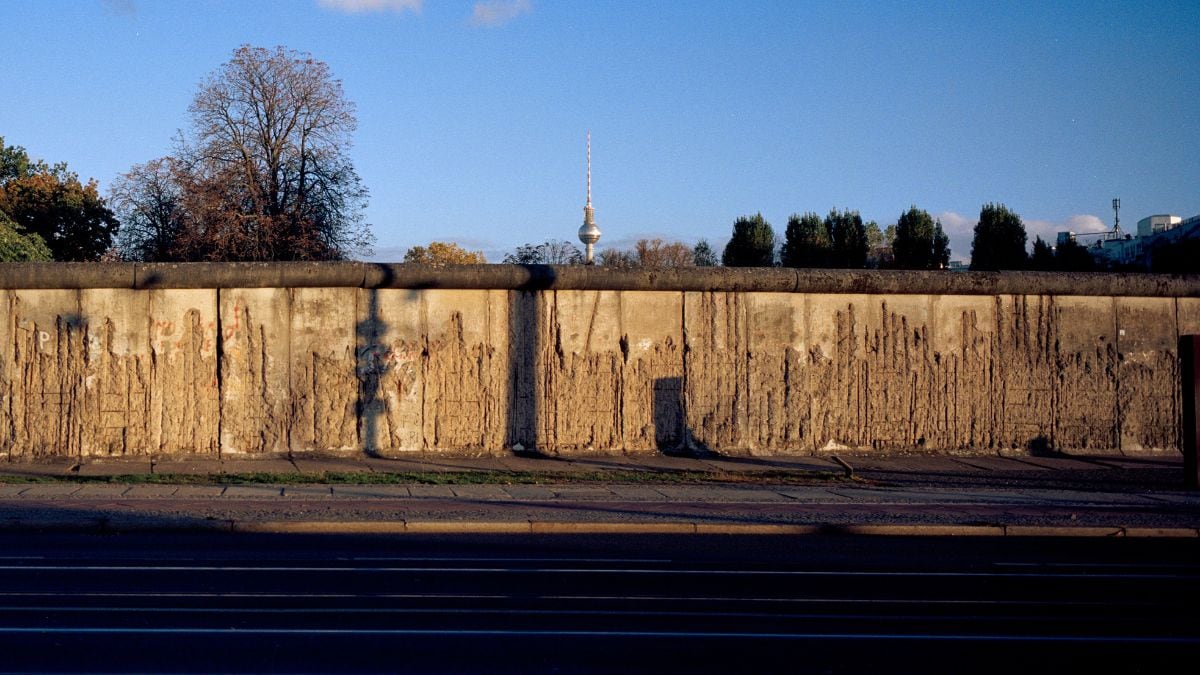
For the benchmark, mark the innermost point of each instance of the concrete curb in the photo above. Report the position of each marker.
(399, 527)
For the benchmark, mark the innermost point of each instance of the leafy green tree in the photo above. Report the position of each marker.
(913, 248)
(50, 201)
(806, 242)
(17, 246)
(999, 242)
(703, 255)
(920, 242)
(941, 247)
(848, 238)
(752, 243)
(15, 162)
(1043, 256)
(874, 235)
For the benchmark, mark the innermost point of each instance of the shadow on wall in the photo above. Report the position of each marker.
(523, 385)
(670, 434)
(525, 373)
(526, 432)
(1040, 446)
(372, 365)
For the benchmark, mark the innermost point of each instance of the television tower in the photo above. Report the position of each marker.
(589, 234)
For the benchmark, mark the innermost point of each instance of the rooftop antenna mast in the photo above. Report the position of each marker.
(1117, 215)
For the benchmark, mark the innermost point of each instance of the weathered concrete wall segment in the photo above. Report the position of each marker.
(110, 370)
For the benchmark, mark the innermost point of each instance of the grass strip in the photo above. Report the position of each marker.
(656, 477)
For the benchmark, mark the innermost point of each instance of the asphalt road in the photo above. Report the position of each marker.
(198, 602)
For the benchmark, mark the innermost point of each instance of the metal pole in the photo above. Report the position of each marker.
(1189, 375)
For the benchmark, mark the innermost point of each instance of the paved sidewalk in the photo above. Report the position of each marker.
(1103, 496)
(1118, 469)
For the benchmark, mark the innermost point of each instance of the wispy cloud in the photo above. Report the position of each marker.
(493, 13)
(120, 7)
(365, 6)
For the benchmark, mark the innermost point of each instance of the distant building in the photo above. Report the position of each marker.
(1156, 224)
(1114, 249)
(958, 266)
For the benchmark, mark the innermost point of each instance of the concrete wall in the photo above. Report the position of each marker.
(100, 360)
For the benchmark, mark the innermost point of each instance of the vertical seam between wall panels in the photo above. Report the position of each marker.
(423, 323)
(1177, 386)
(359, 412)
(220, 351)
(291, 416)
(1117, 371)
(624, 367)
(684, 427)
(744, 340)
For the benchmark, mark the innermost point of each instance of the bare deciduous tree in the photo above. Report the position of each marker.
(552, 252)
(264, 173)
(652, 253)
(149, 202)
(658, 253)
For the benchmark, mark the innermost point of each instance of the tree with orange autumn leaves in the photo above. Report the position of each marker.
(440, 254)
(47, 212)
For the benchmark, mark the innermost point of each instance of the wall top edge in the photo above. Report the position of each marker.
(575, 277)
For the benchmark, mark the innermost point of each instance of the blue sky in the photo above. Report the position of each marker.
(473, 115)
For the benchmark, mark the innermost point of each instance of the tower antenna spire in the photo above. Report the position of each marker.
(589, 234)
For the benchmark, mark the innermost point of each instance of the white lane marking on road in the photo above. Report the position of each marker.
(640, 561)
(1069, 565)
(1136, 639)
(621, 598)
(584, 570)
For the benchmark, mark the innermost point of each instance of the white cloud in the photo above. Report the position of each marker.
(120, 7)
(1085, 224)
(1048, 229)
(954, 223)
(493, 13)
(364, 6)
